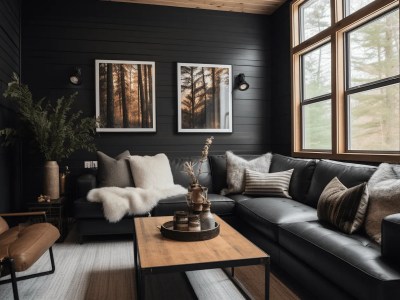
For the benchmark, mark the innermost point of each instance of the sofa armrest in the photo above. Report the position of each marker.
(85, 183)
(390, 238)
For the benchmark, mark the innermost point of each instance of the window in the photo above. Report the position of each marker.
(346, 79)
(354, 5)
(373, 50)
(316, 94)
(315, 17)
(372, 94)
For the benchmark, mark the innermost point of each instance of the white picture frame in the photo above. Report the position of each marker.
(204, 98)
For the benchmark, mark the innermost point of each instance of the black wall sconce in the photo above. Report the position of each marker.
(241, 83)
(76, 76)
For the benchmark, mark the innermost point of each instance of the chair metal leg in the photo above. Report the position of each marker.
(8, 263)
(13, 279)
(53, 267)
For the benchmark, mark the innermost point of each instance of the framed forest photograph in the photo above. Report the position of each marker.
(204, 98)
(125, 96)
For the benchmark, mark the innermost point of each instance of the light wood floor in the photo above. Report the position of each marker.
(253, 279)
(176, 286)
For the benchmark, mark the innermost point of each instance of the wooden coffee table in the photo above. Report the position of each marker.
(156, 254)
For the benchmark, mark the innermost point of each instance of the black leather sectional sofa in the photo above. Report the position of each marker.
(327, 262)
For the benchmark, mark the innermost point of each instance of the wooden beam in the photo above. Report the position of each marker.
(249, 6)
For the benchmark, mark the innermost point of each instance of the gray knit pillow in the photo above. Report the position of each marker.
(384, 198)
(236, 167)
(114, 171)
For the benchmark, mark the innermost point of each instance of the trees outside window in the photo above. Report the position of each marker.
(372, 92)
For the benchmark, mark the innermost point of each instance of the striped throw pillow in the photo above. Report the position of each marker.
(343, 207)
(268, 184)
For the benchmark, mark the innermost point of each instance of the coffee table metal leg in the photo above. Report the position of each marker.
(137, 263)
(138, 275)
(267, 274)
(241, 288)
(142, 290)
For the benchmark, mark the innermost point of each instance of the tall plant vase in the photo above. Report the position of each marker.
(51, 180)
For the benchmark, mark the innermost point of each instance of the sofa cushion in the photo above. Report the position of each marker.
(220, 205)
(114, 171)
(180, 177)
(85, 209)
(302, 173)
(352, 262)
(268, 184)
(266, 214)
(218, 171)
(240, 197)
(342, 207)
(236, 166)
(349, 174)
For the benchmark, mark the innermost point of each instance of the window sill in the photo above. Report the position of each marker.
(362, 157)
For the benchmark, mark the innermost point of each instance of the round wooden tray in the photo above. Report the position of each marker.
(188, 236)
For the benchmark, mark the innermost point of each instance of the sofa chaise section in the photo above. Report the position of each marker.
(352, 262)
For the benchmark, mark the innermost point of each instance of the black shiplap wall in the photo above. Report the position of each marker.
(281, 92)
(9, 63)
(58, 35)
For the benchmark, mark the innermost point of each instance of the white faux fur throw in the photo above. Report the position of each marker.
(117, 202)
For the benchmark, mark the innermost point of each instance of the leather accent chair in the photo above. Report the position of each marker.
(21, 246)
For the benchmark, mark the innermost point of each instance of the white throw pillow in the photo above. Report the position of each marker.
(235, 170)
(151, 171)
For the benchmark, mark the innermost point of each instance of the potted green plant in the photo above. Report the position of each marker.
(55, 130)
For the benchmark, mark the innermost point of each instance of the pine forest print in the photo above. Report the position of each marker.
(125, 95)
(205, 98)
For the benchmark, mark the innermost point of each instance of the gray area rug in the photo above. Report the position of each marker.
(104, 270)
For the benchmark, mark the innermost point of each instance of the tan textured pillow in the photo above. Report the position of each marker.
(343, 207)
(384, 199)
(151, 171)
(236, 167)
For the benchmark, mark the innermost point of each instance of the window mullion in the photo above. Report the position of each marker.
(340, 124)
(373, 85)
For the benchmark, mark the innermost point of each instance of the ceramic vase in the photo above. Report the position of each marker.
(207, 220)
(51, 180)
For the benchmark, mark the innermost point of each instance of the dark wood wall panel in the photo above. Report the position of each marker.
(9, 63)
(281, 92)
(59, 35)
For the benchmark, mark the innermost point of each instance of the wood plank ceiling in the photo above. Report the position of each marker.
(264, 7)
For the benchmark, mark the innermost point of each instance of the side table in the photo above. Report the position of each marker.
(55, 213)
